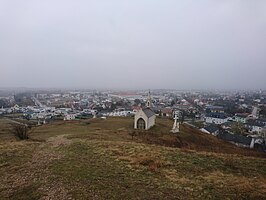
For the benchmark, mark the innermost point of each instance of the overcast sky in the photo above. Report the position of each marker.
(134, 44)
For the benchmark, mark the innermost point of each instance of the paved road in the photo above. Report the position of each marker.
(37, 102)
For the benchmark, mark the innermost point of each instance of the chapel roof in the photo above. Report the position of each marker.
(148, 112)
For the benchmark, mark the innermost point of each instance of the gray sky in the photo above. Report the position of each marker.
(206, 44)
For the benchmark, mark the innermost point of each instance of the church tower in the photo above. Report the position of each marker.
(148, 103)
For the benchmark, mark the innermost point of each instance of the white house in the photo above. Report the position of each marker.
(241, 117)
(255, 126)
(216, 118)
(167, 112)
(70, 117)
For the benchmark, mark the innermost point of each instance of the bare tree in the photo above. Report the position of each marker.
(21, 131)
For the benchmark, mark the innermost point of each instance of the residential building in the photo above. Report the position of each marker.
(216, 118)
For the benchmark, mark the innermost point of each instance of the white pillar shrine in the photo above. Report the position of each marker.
(176, 125)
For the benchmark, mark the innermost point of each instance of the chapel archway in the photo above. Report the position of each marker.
(141, 124)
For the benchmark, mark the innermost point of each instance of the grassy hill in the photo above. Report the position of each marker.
(99, 159)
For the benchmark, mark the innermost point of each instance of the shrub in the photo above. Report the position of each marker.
(21, 131)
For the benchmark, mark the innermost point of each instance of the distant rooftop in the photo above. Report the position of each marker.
(215, 107)
(217, 115)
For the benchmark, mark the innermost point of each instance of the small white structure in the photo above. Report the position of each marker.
(175, 128)
(145, 118)
(94, 113)
(70, 116)
(255, 141)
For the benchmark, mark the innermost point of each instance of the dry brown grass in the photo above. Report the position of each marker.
(97, 159)
(150, 162)
(196, 140)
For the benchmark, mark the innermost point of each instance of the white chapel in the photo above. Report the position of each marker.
(145, 117)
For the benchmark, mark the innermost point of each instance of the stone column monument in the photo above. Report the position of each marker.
(175, 128)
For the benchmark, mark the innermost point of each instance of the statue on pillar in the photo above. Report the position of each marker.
(176, 125)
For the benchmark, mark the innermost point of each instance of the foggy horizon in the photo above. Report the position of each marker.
(182, 45)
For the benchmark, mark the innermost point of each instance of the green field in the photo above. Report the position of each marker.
(107, 159)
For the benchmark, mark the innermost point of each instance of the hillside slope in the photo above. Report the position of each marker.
(98, 159)
(192, 139)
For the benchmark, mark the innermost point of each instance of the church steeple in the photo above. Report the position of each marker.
(148, 104)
